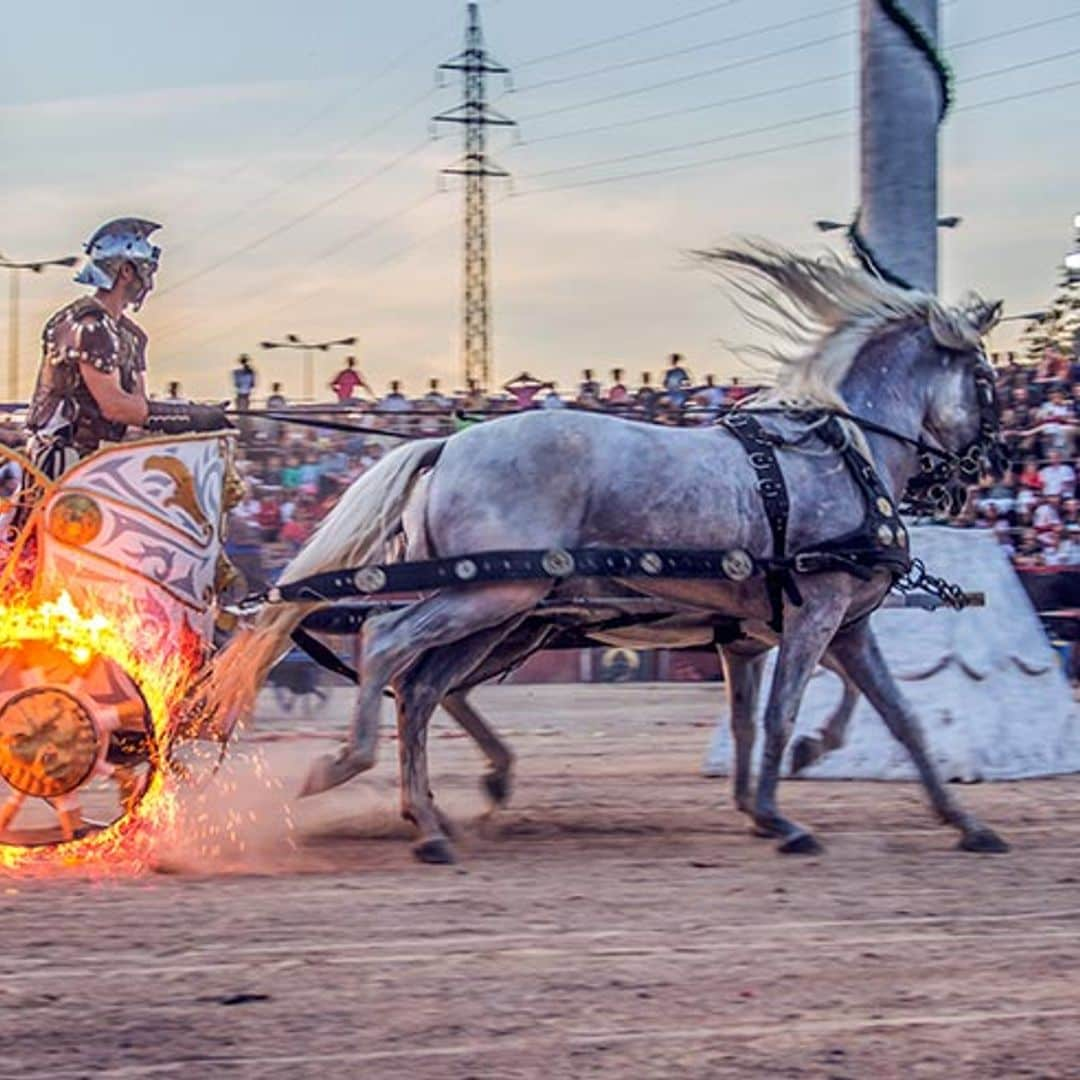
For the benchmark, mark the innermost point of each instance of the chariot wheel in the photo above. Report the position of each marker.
(77, 745)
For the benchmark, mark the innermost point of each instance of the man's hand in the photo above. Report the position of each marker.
(175, 418)
(210, 417)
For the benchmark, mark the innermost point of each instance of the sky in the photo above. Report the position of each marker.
(287, 150)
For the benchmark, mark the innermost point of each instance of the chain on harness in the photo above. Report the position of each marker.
(916, 579)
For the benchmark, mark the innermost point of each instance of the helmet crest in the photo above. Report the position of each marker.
(115, 243)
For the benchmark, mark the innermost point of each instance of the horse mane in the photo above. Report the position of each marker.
(826, 311)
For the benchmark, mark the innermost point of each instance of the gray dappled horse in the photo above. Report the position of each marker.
(898, 360)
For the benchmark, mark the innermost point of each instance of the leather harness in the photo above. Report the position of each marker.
(880, 542)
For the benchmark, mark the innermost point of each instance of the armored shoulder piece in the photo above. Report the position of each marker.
(83, 332)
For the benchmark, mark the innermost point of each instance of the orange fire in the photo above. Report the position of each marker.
(162, 671)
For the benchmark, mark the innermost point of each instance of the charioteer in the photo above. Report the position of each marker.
(91, 386)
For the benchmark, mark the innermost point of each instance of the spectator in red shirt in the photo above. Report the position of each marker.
(347, 380)
(735, 391)
(1029, 475)
(269, 517)
(617, 393)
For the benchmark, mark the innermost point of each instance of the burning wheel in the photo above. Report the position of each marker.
(76, 744)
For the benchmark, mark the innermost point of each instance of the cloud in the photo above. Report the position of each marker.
(148, 103)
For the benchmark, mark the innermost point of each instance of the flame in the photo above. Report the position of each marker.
(162, 670)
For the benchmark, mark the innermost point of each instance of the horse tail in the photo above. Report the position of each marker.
(358, 530)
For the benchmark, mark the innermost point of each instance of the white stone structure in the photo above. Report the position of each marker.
(988, 686)
(901, 104)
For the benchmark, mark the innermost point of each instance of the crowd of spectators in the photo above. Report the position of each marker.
(1033, 510)
(673, 398)
(294, 474)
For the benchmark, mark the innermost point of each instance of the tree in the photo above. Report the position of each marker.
(1060, 329)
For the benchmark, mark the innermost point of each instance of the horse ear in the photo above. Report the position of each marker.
(985, 315)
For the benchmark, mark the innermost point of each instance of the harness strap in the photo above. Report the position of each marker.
(761, 453)
(531, 565)
(881, 540)
(324, 655)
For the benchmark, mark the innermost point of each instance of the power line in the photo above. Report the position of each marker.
(697, 164)
(699, 47)
(749, 154)
(667, 114)
(375, 267)
(371, 227)
(342, 149)
(410, 208)
(998, 34)
(1020, 96)
(846, 110)
(667, 169)
(328, 108)
(1023, 65)
(311, 212)
(691, 77)
(761, 129)
(418, 242)
(598, 42)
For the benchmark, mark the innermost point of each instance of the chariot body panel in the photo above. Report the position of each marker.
(132, 537)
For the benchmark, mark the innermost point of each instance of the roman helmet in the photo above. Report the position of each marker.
(115, 243)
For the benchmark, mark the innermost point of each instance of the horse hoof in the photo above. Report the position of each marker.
(436, 851)
(802, 843)
(984, 841)
(330, 770)
(765, 829)
(497, 787)
(804, 753)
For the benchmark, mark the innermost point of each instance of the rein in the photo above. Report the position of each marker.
(842, 414)
(793, 413)
(310, 421)
(940, 483)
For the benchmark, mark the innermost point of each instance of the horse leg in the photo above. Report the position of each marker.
(742, 673)
(393, 642)
(858, 651)
(808, 631)
(497, 780)
(807, 749)
(361, 751)
(418, 692)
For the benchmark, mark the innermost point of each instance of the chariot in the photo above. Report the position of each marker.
(108, 600)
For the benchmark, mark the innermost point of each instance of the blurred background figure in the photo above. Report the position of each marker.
(347, 381)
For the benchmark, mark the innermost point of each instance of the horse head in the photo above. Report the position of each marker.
(960, 424)
(895, 356)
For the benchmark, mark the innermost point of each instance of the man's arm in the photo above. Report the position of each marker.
(133, 409)
(116, 404)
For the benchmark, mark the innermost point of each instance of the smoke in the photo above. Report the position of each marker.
(246, 819)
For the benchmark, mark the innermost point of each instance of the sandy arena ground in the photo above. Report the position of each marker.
(617, 920)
